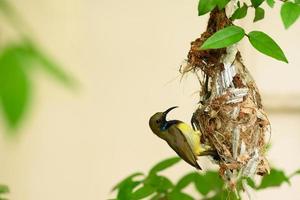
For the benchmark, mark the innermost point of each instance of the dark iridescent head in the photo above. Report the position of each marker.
(158, 121)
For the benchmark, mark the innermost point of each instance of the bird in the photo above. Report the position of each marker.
(181, 137)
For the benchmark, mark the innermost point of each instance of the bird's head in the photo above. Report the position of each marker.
(158, 121)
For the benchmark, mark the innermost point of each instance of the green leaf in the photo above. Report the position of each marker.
(274, 179)
(14, 86)
(297, 1)
(15, 62)
(259, 14)
(240, 13)
(271, 3)
(142, 192)
(266, 45)
(125, 180)
(186, 180)
(256, 3)
(177, 195)
(225, 194)
(295, 173)
(251, 183)
(289, 13)
(160, 183)
(6, 8)
(4, 189)
(210, 181)
(206, 6)
(223, 38)
(126, 189)
(222, 3)
(126, 186)
(49, 65)
(158, 196)
(164, 165)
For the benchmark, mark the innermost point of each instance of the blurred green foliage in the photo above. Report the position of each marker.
(17, 63)
(3, 191)
(18, 60)
(209, 185)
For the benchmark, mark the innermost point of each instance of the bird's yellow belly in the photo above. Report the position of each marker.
(193, 137)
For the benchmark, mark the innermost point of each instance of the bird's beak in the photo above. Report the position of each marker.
(168, 110)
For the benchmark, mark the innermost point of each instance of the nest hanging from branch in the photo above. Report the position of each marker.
(230, 114)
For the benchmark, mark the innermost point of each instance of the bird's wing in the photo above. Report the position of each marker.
(178, 142)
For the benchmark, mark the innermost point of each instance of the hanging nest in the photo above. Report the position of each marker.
(230, 113)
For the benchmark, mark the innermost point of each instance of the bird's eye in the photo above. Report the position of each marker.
(157, 121)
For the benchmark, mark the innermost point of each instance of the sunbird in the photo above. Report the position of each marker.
(180, 136)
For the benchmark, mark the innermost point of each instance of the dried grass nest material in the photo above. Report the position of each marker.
(230, 114)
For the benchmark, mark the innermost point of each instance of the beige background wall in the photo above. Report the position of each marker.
(126, 54)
